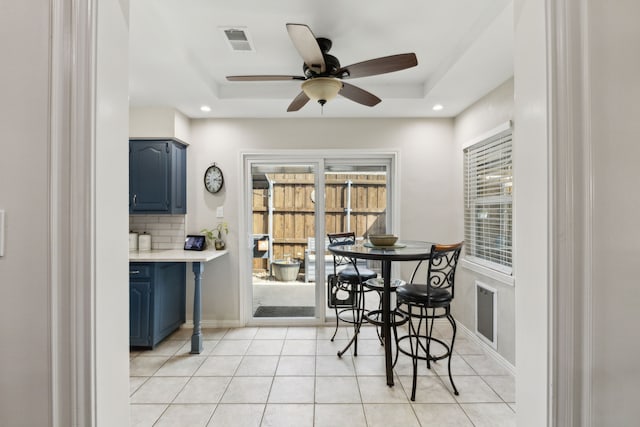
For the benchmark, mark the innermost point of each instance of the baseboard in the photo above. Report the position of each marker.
(490, 351)
(212, 324)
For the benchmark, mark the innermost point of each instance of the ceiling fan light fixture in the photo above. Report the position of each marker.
(322, 89)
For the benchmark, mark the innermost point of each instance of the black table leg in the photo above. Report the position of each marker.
(386, 319)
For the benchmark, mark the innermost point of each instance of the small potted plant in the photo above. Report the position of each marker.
(216, 234)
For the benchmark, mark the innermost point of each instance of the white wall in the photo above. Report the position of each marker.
(493, 110)
(24, 364)
(427, 201)
(38, 369)
(614, 68)
(162, 122)
(490, 111)
(24, 193)
(152, 121)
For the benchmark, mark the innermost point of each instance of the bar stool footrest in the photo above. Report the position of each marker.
(433, 358)
(361, 313)
(375, 318)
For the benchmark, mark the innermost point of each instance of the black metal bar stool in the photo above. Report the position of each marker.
(375, 316)
(345, 291)
(426, 302)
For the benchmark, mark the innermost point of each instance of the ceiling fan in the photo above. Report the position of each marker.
(323, 75)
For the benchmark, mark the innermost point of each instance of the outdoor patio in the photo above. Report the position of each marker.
(273, 298)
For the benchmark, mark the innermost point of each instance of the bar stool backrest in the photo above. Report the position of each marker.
(341, 239)
(441, 268)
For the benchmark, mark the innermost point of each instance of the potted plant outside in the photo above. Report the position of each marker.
(287, 269)
(215, 235)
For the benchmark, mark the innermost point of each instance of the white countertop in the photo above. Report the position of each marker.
(175, 255)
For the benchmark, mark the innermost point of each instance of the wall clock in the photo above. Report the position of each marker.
(213, 179)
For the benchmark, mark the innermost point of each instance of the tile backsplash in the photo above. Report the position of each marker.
(167, 231)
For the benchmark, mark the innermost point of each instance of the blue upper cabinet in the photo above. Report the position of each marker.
(157, 177)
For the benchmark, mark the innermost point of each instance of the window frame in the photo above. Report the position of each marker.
(487, 266)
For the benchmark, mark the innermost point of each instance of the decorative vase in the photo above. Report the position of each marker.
(219, 243)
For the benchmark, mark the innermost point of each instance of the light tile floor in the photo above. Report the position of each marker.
(291, 376)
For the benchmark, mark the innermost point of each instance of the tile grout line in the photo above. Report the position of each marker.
(174, 398)
(273, 378)
(314, 372)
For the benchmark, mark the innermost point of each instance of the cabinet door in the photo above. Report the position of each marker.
(178, 179)
(169, 298)
(139, 312)
(149, 176)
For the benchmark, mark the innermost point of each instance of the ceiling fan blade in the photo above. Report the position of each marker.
(358, 95)
(298, 102)
(372, 67)
(307, 46)
(262, 78)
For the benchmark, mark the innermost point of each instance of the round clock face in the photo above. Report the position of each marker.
(213, 179)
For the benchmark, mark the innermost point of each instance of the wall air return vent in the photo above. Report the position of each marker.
(238, 39)
(486, 314)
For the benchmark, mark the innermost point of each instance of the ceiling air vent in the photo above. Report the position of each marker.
(238, 39)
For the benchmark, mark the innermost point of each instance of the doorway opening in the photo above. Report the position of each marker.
(283, 221)
(290, 209)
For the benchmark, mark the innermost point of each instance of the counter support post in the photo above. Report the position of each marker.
(196, 338)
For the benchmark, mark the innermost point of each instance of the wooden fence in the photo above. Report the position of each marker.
(293, 216)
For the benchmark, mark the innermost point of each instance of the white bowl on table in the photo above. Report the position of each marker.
(383, 239)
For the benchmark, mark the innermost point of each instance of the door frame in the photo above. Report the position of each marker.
(319, 158)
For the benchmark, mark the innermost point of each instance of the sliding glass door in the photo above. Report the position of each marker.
(289, 210)
(356, 200)
(283, 222)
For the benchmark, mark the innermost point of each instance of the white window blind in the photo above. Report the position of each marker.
(488, 189)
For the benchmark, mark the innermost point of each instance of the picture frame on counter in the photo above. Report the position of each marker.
(195, 243)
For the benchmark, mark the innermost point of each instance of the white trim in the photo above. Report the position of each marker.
(287, 322)
(213, 324)
(571, 207)
(311, 157)
(2, 231)
(586, 208)
(473, 154)
(494, 291)
(493, 266)
(321, 312)
(507, 279)
(488, 350)
(244, 234)
(504, 127)
(72, 216)
(61, 387)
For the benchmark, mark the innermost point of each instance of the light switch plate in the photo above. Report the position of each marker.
(220, 212)
(2, 232)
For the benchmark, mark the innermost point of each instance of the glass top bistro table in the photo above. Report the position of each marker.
(403, 250)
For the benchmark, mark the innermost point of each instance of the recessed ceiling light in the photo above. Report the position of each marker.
(205, 108)
(437, 107)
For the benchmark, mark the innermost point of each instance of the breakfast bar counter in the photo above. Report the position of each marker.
(197, 259)
(175, 255)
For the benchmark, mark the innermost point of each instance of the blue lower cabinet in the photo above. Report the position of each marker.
(157, 293)
(139, 313)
